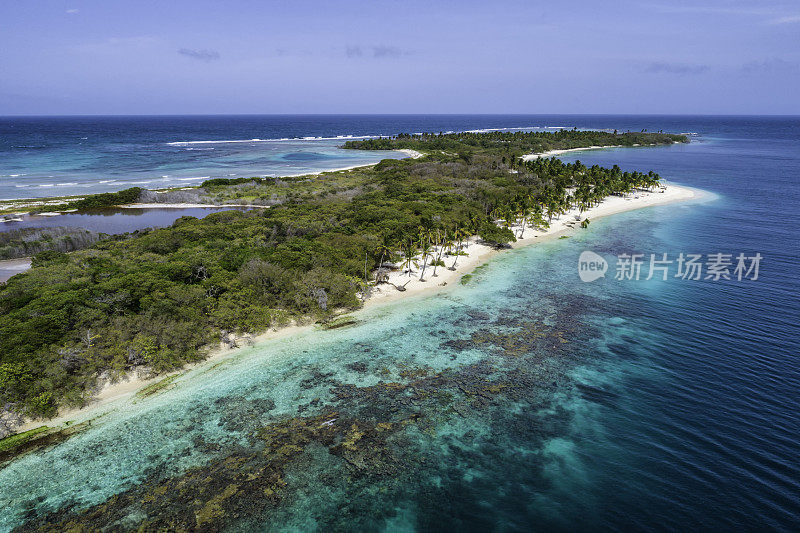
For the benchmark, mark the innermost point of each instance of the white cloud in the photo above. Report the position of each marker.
(72, 11)
(774, 14)
(770, 65)
(206, 55)
(792, 19)
(664, 67)
(380, 51)
(120, 45)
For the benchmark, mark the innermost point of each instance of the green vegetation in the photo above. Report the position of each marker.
(14, 446)
(161, 297)
(515, 143)
(12, 207)
(340, 322)
(107, 199)
(30, 241)
(273, 191)
(156, 387)
(9, 443)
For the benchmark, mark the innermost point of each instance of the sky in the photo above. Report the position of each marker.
(62, 57)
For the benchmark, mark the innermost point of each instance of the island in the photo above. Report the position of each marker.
(94, 310)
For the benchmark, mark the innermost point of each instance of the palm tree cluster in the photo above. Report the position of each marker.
(567, 187)
(423, 252)
(577, 186)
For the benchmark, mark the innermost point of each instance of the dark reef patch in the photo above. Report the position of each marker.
(363, 438)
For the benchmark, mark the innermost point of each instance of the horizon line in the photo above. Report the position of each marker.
(148, 115)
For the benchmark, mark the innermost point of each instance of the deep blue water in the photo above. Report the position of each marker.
(670, 405)
(56, 156)
(710, 438)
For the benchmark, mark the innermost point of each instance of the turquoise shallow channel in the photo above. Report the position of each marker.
(523, 399)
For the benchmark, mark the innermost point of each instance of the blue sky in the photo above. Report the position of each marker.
(174, 57)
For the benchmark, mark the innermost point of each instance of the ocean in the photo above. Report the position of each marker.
(58, 156)
(524, 399)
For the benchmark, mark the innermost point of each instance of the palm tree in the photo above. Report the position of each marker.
(523, 210)
(508, 216)
(448, 243)
(537, 218)
(473, 224)
(425, 248)
(384, 249)
(550, 207)
(458, 234)
(438, 244)
(409, 251)
(495, 214)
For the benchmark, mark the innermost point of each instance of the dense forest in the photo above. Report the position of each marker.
(161, 298)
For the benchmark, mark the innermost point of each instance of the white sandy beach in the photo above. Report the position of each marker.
(110, 393)
(412, 154)
(552, 153)
(480, 253)
(125, 389)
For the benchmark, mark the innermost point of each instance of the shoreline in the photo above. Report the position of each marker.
(384, 294)
(551, 153)
(8, 269)
(481, 253)
(52, 201)
(186, 206)
(129, 385)
(412, 154)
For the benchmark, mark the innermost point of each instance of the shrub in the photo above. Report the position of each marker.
(496, 236)
(107, 199)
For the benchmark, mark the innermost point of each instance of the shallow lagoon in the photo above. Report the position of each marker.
(113, 220)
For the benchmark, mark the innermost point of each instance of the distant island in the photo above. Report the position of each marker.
(158, 299)
(515, 144)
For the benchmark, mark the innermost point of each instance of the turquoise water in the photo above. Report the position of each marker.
(523, 400)
(59, 156)
(168, 432)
